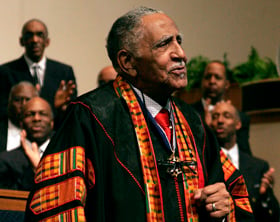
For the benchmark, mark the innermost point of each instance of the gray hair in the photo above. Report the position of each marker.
(126, 31)
(22, 84)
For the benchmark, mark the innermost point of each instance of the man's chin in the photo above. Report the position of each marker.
(179, 83)
(222, 139)
(35, 57)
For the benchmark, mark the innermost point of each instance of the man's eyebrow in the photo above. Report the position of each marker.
(165, 38)
(180, 35)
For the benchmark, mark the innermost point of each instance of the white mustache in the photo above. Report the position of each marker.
(177, 65)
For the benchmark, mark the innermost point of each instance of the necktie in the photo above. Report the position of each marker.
(163, 120)
(35, 76)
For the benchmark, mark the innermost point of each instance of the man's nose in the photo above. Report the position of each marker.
(220, 119)
(37, 116)
(212, 79)
(35, 38)
(24, 101)
(178, 52)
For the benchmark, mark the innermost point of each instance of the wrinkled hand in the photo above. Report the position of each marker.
(63, 94)
(267, 181)
(32, 152)
(214, 194)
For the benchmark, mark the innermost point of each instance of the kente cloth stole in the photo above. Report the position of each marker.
(191, 177)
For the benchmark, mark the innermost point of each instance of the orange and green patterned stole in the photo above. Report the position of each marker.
(238, 189)
(192, 178)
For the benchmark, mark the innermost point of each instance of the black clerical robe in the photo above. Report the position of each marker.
(91, 169)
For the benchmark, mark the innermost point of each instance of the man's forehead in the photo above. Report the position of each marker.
(215, 66)
(24, 90)
(37, 105)
(157, 20)
(158, 26)
(224, 107)
(34, 26)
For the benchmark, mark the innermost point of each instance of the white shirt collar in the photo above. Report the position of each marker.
(210, 106)
(152, 106)
(31, 64)
(42, 148)
(13, 137)
(234, 155)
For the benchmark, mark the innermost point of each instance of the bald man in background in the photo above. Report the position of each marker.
(258, 175)
(106, 74)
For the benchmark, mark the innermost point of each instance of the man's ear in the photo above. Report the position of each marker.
(52, 124)
(126, 62)
(21, 42)
(47, 42)
(238, 125)
(227, 84)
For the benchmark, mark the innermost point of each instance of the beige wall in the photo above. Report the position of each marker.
(78, 29)
(265, 143)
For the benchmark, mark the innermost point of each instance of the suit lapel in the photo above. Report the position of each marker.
(48, 73)
(21, 71)
(244, 165)
(51, 82)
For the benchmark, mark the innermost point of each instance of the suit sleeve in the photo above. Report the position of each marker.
(266, 206)
(15, 170)
(5, 87)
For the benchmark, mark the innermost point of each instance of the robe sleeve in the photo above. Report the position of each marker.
(65, 173)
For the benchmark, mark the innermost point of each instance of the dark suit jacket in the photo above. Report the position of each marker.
(253, 169)
(3, 133)
(15, 170)
(5, 86)
(55, 72)
(242, 133)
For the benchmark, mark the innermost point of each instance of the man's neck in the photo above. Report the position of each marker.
(39, 142)
(34, 59)
(14, 121)
(159, 98)
(214, 100)
(228, 145)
